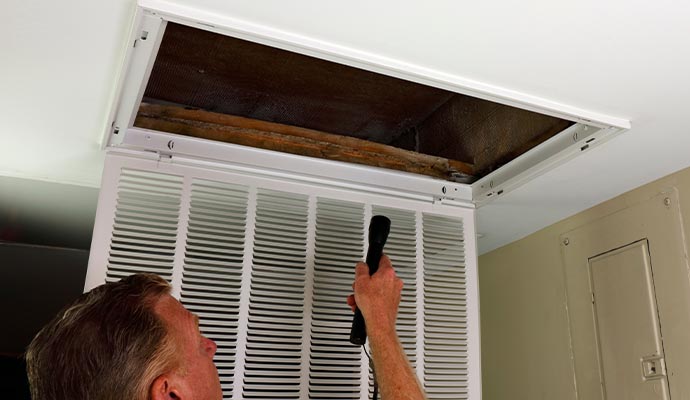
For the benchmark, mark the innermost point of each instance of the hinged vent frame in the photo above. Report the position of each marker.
(590, 129)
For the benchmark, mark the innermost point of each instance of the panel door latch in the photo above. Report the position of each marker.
(653, 367)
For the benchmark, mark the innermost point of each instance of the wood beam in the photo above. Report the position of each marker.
(294, 140)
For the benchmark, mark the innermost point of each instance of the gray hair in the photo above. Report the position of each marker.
(108, 344)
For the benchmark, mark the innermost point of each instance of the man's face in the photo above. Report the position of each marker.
(198, 377)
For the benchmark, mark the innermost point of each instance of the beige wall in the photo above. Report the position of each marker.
(525, 334)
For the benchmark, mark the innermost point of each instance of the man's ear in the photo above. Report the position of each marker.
(164, 388)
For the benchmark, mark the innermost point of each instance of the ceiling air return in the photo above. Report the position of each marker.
(243, 165)
(204, 76)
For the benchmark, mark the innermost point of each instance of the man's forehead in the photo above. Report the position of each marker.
(171, 309)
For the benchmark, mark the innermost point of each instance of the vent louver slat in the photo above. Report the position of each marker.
(274, 332)
(445, 327)
(212, 274)
(335, 365)
(145, 225)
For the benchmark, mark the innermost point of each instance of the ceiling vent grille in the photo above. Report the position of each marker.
(267, 264)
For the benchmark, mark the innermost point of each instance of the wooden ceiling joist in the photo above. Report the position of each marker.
(296, 140)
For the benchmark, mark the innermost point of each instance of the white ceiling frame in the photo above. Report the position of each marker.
(590, 129)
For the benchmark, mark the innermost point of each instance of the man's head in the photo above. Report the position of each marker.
(123, 340)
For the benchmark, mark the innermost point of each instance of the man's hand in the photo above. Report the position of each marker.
(377, 296)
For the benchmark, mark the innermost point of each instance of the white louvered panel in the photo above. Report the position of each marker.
(335, 364)
(212, 273)
(445, 313)
(145, 224)
(254, 261)
(274, 331)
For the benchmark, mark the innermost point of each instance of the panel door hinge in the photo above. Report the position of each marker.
(165, 157)
(160, 156)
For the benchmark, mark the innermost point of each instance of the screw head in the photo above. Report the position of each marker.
(566, 241)
(667, 201)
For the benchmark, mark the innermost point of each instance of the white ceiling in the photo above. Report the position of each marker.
(626, 59)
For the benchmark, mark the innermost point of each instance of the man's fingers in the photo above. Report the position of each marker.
(361, 270)
(385, 266)
(351, 302)
(385, 262)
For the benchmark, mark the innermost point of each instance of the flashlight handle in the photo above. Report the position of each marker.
(379, 227)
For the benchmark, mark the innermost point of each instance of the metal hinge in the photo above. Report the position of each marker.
(161, 156)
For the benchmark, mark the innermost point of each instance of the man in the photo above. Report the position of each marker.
(132, 340)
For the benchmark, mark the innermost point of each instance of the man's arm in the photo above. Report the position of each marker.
(377, 297)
